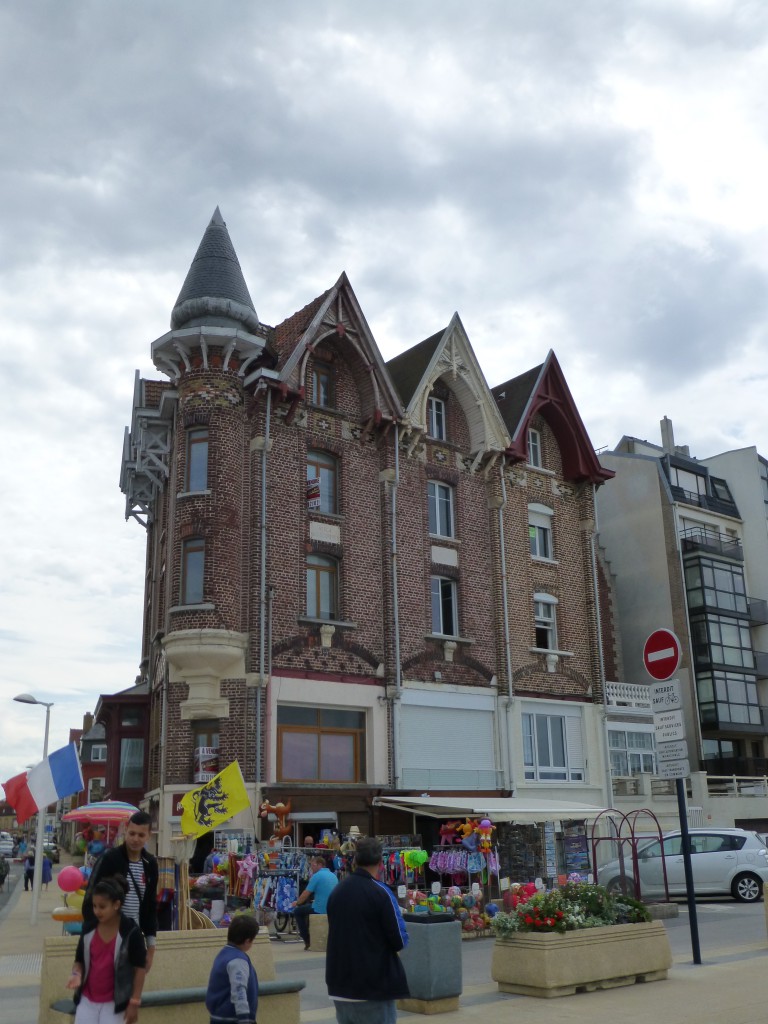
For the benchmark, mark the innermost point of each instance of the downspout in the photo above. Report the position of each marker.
(262, 587)
(169, 554)
(396, 758)
(600, 655)
(506, 747)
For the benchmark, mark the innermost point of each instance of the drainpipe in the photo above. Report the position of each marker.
(396, 758)
(505, 742)
(262, 585)
(601, 658)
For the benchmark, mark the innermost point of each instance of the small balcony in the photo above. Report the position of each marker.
(697, 539)
(758, 611)
(707, 501)
(629, 698)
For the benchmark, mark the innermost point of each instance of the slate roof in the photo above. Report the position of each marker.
(512, 397)
(215, 274)
(407, 370)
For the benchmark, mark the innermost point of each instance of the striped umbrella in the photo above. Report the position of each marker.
(101, 812)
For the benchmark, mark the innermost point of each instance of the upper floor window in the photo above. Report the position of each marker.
(197, 460)
(320, 744)
(436, 418)
(631, 751)
(540, 531)
(545, 621)
(96, 790)
(445, 617)
(552, 748)
(322, 587)
(322, 387)
(440, 500)
(534, 447)
(192, 570)
(322, 477)
(131, 763)
(99, 752)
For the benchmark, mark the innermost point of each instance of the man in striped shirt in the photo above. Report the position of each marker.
(139, 868)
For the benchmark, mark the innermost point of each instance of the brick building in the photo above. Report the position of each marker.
(364, 580)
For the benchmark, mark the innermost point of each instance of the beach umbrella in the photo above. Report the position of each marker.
(101, 812)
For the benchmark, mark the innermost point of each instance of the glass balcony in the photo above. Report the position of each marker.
(697, 539)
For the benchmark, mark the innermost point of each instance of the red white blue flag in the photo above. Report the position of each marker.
(59, 775)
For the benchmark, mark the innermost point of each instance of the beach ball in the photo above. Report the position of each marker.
(70, 879)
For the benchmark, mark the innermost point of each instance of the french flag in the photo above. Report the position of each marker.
(59, 775)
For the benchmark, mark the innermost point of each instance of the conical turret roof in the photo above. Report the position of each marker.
(214, 292)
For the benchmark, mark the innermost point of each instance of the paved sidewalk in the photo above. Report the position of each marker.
(728, 986)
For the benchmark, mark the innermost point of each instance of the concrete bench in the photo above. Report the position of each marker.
(278, 1004)
(318, 932)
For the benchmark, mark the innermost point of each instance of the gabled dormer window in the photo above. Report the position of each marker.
(322, 387)
(534, 448)
(436, 418)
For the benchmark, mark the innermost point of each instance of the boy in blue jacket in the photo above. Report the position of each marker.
(233, 988)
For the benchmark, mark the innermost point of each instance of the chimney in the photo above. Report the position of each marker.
(87, 722)
(667, 436)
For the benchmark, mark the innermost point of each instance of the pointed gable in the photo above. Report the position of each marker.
(543, 391)
(336, 319)
(449, 354)
(214, 292)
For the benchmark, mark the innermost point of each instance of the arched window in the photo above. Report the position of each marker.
(322, 587)
(322, 482)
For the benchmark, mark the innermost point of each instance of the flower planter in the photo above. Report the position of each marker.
(560, 964)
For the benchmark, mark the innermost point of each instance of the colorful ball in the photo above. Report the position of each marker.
(69, 879)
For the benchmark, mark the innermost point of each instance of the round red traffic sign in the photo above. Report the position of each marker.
(661, 654)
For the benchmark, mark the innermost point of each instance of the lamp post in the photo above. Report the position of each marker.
(37, 877)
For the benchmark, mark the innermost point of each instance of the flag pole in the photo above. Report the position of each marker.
(37, 875)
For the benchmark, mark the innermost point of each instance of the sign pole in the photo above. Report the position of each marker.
(693, 919)
(661, 658)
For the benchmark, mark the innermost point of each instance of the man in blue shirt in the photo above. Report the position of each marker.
(314, 899)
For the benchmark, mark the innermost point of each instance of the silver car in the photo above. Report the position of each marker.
(724, 861)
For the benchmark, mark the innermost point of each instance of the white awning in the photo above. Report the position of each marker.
(526, 811)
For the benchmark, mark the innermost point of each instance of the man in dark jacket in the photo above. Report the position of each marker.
(139, 868)
(363, 971)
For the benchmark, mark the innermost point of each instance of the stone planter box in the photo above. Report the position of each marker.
(554, 964)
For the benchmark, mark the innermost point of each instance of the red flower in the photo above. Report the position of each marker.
(559, 914)
(528, 919)
(538, 923)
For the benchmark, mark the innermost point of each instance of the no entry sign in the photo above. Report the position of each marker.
(661, 654)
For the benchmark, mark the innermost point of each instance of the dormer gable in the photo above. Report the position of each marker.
(447, 357)
(543, 391)
(334, 321)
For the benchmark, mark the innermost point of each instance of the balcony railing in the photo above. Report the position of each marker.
(737, 785)
(697, 539)
(630, 697)
(758, 611)
(726, 508)
(749, 767)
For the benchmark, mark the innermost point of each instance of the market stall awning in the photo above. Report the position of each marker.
(524, 811)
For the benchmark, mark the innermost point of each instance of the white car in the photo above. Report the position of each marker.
(6, 844)
(730, 861)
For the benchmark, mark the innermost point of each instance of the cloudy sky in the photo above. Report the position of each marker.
(585, 176)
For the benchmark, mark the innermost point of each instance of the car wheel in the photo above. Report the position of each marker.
(747, 888)
(620, 886)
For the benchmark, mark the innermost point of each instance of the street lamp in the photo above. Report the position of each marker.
(37, 877)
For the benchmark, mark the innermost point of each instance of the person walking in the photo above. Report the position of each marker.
(314, 899)
(363, 972)
(131, 861)
(109, 968)
(29, 870)
(47, 871)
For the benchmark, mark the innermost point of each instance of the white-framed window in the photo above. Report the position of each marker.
(99, 752)
(540, 531)
(96, 789)
(436, 418)
(534, 447)
(552, 747)
(545, 621)
(632, 751)
(440, 501)
(445, 618)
